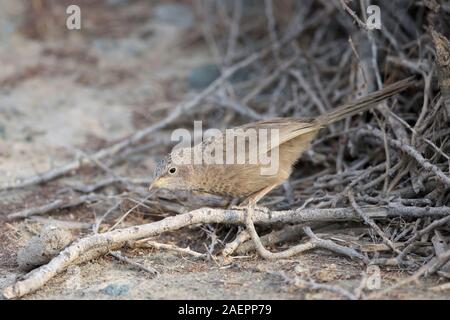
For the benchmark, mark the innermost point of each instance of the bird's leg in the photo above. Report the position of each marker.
(255, 197)
(250, 206)
(250, 200)
(250, 227)
(263, 252)
(288, 190)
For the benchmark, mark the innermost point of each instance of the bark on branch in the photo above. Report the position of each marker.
(97, 244)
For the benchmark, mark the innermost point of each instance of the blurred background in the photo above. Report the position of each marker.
(132, 61)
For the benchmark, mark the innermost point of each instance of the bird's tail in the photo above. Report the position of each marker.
(364, 103)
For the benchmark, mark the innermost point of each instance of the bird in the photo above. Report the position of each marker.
(245, 180)
(233, 163)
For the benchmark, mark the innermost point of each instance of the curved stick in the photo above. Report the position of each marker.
(95, 245)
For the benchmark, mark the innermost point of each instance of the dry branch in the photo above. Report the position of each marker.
(411, 242)
(117, 238)
(371, 223)
(231, 247)
(287, 233)
(431, 267)
(58, 204)
(156, 245)
(442, 45)
(413, 153)
(310, 284)
(120, 257)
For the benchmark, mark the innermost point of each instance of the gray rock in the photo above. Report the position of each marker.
(178, 15)
(116, 290)
(2, 131)
(117, 2)
(249, 7)
(42, 248)
(202, 76)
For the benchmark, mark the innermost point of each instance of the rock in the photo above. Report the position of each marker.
(249, 7)
(116, 290)
(2, 132)
(177, 15)
(117, 2)
(42, 248)
(202, 76)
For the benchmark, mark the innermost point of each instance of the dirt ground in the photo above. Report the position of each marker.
(61, 91)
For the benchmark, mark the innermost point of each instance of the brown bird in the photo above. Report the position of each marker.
(247, 179)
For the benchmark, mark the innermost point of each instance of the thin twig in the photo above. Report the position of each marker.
(120, 257)
(413, 153)
(55, 205)
(371, 223)
(145, 243)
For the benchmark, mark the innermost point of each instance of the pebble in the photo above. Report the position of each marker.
(177, 15)
(41, 248)
(201, 77)
(116, 290)
(117, 2)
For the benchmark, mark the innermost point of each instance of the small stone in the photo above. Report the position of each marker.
(116, 290)
(202, 76)
(177, 15)
(2, 132)
(249, 7)
(42, 248)
(117, 2)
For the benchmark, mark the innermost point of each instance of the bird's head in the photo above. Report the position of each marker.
(172, 175)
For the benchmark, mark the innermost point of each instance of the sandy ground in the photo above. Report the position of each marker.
(69, 91)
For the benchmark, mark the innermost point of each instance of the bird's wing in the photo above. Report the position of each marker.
(284, 129)
(256, 140)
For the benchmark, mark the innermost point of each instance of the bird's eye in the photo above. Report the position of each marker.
(172, 170)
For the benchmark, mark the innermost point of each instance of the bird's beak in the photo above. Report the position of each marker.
(153, 186)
